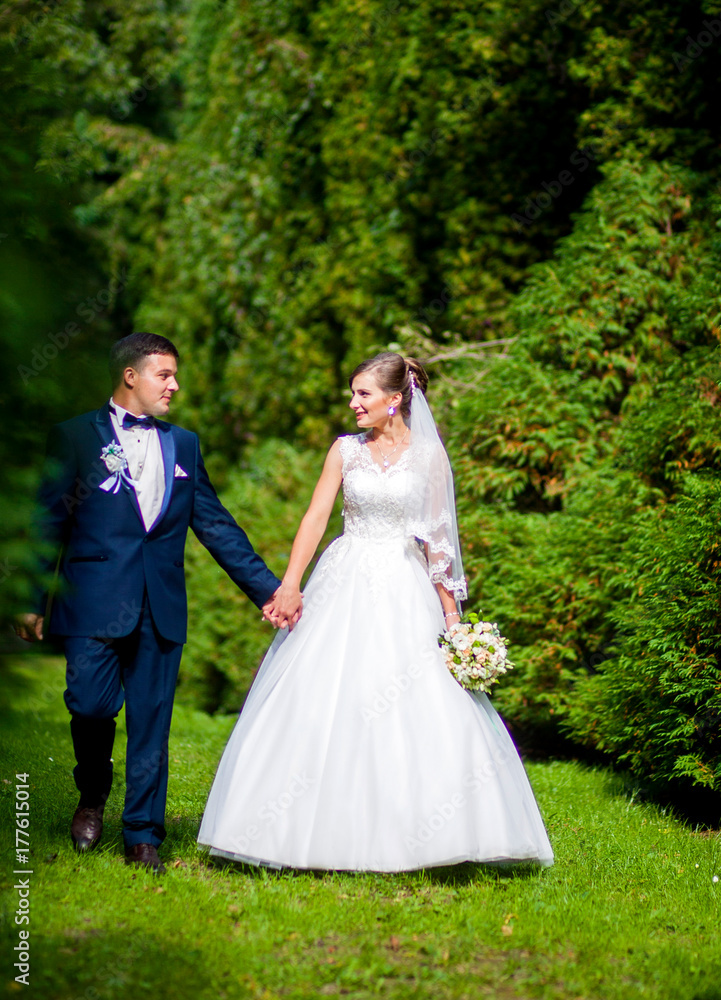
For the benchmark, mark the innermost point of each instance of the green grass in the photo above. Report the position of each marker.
(628, 910)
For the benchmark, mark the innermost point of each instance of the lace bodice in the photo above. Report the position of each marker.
(374, 498)
(385, 504)
(381, 508)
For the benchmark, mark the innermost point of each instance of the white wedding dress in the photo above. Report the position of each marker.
(356, 749)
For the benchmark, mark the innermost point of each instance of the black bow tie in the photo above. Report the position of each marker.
(130, 420)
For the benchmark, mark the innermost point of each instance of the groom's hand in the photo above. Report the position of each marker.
(29, 627)
(285, 607)
(268, 610)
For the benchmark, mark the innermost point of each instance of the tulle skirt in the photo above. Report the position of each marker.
(356, 749)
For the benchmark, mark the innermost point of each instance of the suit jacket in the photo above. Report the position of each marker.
(108, 559)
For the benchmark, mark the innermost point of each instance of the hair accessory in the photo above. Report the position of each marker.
(412, 377)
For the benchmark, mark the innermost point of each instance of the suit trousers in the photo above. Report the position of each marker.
(141, 669)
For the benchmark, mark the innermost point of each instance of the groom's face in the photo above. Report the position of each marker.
(155, 383)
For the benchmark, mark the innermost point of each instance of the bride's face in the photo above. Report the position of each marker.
(370, 403)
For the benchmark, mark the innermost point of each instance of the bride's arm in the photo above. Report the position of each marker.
(448, 601)
(311, 530)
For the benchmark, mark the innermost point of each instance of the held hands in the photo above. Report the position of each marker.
(29, 627)
(285, 607)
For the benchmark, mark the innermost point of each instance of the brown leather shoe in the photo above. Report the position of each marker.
(87, 828)
(144, 856)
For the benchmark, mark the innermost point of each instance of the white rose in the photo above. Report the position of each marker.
(114, 463)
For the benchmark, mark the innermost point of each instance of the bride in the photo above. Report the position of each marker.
(356, 748)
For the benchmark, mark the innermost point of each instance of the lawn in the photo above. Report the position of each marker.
(629, 910)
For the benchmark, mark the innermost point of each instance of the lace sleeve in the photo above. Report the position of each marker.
(434, 523)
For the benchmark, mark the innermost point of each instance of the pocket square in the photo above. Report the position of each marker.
(180, 473)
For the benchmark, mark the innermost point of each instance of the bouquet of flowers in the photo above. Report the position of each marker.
(475, 653)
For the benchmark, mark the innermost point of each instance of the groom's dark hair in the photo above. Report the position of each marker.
(131, 351)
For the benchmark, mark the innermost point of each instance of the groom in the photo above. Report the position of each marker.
(121, 489)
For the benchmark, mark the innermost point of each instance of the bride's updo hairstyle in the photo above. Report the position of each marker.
(392, 373)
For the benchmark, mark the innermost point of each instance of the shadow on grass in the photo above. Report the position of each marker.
(469, 873)
(465, 873)
(88, 962)
(16, 683)
(31, 689)
(691, 805)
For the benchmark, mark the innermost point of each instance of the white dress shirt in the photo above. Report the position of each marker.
(141, 446)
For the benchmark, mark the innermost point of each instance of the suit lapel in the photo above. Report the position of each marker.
(106, 432)
(104, 426)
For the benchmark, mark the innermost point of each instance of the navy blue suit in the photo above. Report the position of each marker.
(121, 605)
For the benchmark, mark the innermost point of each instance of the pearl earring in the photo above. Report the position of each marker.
(391, 410)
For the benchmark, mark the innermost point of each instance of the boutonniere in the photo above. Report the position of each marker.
(117, 464)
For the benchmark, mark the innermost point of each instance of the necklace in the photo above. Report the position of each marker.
(385, 458)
